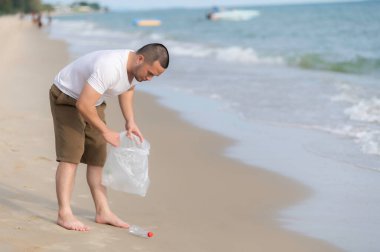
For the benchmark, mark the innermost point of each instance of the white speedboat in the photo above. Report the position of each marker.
(233, 15)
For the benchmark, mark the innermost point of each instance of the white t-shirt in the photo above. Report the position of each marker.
(105, 71)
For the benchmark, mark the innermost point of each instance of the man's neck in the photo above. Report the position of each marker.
(130, 64)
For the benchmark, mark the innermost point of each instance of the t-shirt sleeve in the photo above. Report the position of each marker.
(102, 78)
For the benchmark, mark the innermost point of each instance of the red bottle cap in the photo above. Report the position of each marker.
(150, 234)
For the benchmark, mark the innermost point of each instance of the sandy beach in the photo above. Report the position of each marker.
(198, 200)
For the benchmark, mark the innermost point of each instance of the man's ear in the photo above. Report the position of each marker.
(140, 58)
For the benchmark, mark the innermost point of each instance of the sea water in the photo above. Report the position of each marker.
(297, 87)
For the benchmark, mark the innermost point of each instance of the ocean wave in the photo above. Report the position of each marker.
(227, 54)
(348, 92)
(361, 108)
(357, 65)
(89, 31)
(365, 111)
(72, 29)
(368, 139)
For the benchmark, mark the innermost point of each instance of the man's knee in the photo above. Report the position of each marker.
(67, 165)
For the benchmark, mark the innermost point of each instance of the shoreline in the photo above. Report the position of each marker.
(201, 201)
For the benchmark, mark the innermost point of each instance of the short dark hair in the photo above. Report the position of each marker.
(153, 52)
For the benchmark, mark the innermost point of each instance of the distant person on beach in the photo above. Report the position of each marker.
(37, 19)
(81, 134)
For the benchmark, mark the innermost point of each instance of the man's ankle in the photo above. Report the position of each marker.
(65, 212)
(103, 211)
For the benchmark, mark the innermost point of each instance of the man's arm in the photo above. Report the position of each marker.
(126, 105)
(86, 107)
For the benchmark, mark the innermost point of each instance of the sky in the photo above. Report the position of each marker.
(150, 4)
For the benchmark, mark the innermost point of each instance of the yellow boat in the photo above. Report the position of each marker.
(147, 22)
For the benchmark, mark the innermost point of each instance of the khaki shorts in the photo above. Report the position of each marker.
(75, 140)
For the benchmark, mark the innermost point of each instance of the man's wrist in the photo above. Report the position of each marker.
(130, 121)
(105, 131)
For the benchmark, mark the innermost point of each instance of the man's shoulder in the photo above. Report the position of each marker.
(110, 52)
(107, 55)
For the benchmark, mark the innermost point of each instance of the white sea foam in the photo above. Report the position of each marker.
(365, 111)
(347, 93)
(228, 54)
(368, 139)
(189, 49)
(244, 55)
(370, 142)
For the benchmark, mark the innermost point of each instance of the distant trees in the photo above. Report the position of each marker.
(6, 6)
(26, 6)
(83, 6)
(94, 6)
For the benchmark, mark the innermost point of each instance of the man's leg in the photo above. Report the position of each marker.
(104, 214)
(65, 177)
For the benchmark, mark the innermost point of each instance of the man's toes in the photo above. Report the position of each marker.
(84, 228)
(124, 225)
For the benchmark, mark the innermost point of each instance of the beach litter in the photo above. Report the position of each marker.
(126, 167)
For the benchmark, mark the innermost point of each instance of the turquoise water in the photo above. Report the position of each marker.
(297, 87)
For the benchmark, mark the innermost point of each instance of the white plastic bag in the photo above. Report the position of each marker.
(126, 167)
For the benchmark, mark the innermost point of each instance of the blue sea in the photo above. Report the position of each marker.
(297, 87)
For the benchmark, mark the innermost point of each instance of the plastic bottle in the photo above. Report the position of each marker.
(138, 231)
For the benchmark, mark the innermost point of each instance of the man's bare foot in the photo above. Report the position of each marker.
(110, 219)
(69, 222)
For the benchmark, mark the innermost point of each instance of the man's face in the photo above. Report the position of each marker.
(145, 72)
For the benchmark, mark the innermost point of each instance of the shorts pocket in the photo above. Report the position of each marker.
(61, 98)
(54, 92)
(64, 99)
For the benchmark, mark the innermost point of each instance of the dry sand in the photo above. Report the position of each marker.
(198, 200)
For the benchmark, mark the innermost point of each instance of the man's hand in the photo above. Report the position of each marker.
(132, 128)
(112, 138)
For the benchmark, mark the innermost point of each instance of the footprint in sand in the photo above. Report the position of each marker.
(33, 218)
(28, 188)
(19, 166)
(43, 158)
